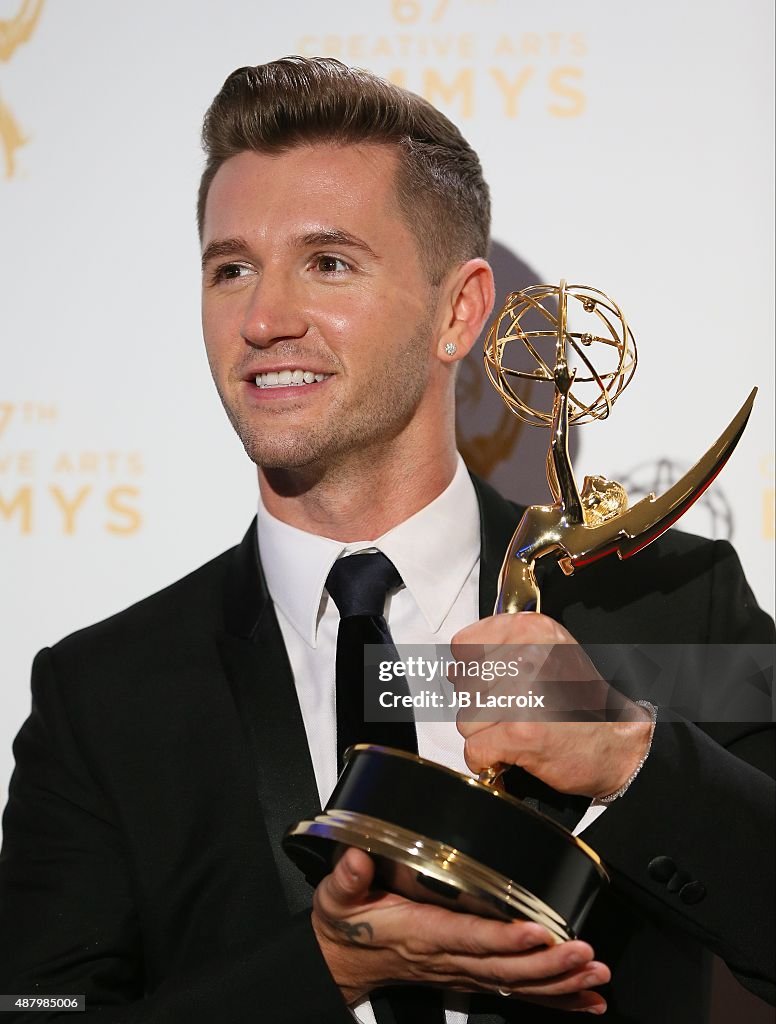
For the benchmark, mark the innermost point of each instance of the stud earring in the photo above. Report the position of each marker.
(451, 348)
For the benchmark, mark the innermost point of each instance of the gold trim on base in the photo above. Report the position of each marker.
(477, 782)
(486, 892)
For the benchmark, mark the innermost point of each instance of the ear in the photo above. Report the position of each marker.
(468, 297)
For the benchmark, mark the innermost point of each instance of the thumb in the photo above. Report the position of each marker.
(349, 883)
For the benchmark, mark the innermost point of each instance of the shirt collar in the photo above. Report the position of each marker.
(434, 551)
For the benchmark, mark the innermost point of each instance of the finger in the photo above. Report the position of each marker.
(510, 742)
(536, 628)
(465, 936)
(508, 628)
(348, 884)
(553, 965)
(579, 1002)
(558, 969)
(469, 721)
(517, 937)
(591, 975)
(533, 974)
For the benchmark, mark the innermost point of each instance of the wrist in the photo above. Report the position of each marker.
(342, 961)
(640, 736)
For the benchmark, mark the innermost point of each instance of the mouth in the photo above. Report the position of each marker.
(288, 378)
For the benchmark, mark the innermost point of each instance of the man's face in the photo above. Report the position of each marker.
(316, 310)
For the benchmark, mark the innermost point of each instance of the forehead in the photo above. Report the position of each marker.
(348, 186)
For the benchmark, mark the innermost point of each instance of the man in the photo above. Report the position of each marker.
(344, 230)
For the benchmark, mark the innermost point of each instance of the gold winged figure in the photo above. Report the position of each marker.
(13, 32)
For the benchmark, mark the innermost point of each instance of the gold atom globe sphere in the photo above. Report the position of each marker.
(553, 323)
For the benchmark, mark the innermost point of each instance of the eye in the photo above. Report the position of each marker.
(230, 272)
(327, 264)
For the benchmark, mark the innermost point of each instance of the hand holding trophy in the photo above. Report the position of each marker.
(443, 837)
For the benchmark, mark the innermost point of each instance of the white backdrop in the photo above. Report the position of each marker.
(628, 146)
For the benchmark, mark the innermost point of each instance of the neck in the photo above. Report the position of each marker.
(357, 501)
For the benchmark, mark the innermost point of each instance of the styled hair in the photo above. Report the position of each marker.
(299, 101)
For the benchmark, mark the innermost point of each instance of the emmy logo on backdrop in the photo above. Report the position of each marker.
(13, 32)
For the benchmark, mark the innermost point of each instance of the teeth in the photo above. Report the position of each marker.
(288, 378)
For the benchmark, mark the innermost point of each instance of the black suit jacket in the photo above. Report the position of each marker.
(165, 756)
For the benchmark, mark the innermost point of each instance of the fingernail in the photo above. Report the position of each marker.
(596, 971)
(351, 871)
(598, 1009)
(577, 959)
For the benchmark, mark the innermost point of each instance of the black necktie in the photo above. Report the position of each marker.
(358, 585)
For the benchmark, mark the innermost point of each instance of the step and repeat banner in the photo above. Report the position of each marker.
(628, 147)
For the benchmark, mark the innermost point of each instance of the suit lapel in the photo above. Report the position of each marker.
(254, 658)
(498, 521)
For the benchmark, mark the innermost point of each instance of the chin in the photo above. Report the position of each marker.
(281, 453)
(270, 448)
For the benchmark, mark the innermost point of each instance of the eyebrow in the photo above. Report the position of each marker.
(221, 248)
(335, 236)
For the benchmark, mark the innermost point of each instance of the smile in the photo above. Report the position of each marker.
(288, 378)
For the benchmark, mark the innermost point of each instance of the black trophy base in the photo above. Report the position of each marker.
(441, 837)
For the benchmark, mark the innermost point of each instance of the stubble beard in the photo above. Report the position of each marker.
(347, 430)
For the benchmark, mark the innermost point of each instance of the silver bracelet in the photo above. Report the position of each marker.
(602, 801)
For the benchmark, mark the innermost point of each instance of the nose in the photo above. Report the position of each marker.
(274, 312)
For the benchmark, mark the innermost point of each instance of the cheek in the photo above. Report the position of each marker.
(210, 321)
(210, 333)
(337, 326)
(217, 347)
(341, 315)
(348, 331)
(221, 322)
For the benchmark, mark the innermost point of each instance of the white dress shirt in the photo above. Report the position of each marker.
(436, 553)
